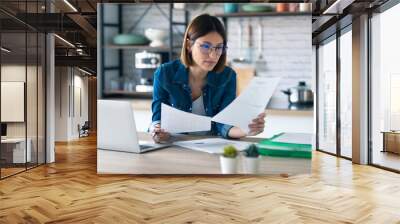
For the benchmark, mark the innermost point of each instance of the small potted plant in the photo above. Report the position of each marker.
(251, 159)
(229, 160)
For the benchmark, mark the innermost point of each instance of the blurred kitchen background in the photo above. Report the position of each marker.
(264, 39)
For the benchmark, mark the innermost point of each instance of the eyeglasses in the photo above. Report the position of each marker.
(206, 48)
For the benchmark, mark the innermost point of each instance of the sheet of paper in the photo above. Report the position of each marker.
(212, 145)
(250, 103)
(177, 121)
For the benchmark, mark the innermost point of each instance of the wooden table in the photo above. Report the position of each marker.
(178, 160)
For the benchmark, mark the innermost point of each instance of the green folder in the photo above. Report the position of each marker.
(273, 147)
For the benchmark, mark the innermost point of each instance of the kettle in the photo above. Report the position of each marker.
(300, 94)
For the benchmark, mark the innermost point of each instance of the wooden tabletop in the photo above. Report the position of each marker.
(178, 160)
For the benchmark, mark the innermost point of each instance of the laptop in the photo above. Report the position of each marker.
(116, 128)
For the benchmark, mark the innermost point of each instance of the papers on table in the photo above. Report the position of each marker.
(212, 145)
(177, 121)
(249, 104)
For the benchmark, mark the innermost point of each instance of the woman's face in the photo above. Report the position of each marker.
(207, 50)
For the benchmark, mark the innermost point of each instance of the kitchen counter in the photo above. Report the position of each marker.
(285, 105)
(273, 105)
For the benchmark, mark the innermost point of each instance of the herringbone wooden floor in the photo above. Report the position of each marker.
(70, 191)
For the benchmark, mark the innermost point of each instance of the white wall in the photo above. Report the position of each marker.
(17, 73)
(70, 84)
(14, 73)
(33, 125)
(61, 103)
(12, 101)
(286, 48)
(80, 110)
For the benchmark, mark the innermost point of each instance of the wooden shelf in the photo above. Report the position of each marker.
(259, 14)
(125, 94)
(138, 47)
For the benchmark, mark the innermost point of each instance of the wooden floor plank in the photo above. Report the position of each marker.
(70, 191)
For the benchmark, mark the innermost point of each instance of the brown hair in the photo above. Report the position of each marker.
(198, 27)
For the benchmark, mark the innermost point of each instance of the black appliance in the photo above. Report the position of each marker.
(3, 129)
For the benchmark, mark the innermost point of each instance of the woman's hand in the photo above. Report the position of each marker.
(257, 126)
(159, 135)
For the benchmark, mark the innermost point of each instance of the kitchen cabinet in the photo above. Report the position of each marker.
(243, 78)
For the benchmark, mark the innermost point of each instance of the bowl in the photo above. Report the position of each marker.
(231, 7)
(257, 8)
(130, 39)
(156, 36)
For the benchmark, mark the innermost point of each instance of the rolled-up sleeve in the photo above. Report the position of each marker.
(160, 95)
(229, 96)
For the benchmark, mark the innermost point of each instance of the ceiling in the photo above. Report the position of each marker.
(77, 23)
(330, 16)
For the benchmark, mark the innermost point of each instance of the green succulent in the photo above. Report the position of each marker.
(251, 151)
(230, 151)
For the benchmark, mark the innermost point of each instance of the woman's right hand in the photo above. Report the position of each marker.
(159, 135)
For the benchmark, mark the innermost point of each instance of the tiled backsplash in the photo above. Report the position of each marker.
(286, 47)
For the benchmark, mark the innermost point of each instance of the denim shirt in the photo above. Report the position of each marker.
(171, 86)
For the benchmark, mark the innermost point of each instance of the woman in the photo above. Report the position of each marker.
(199, 82)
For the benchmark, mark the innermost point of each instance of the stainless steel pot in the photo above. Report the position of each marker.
(300, 94)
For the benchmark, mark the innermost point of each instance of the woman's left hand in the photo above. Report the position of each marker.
(257, 126)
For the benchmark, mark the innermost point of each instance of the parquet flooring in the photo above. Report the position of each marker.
(10, 171)
(70, 191)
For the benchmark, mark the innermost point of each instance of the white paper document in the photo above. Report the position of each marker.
(212, 145)
(177, 121)
(250, 103)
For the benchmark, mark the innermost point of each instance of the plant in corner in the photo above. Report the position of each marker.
(229, 160)
(251, 159)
